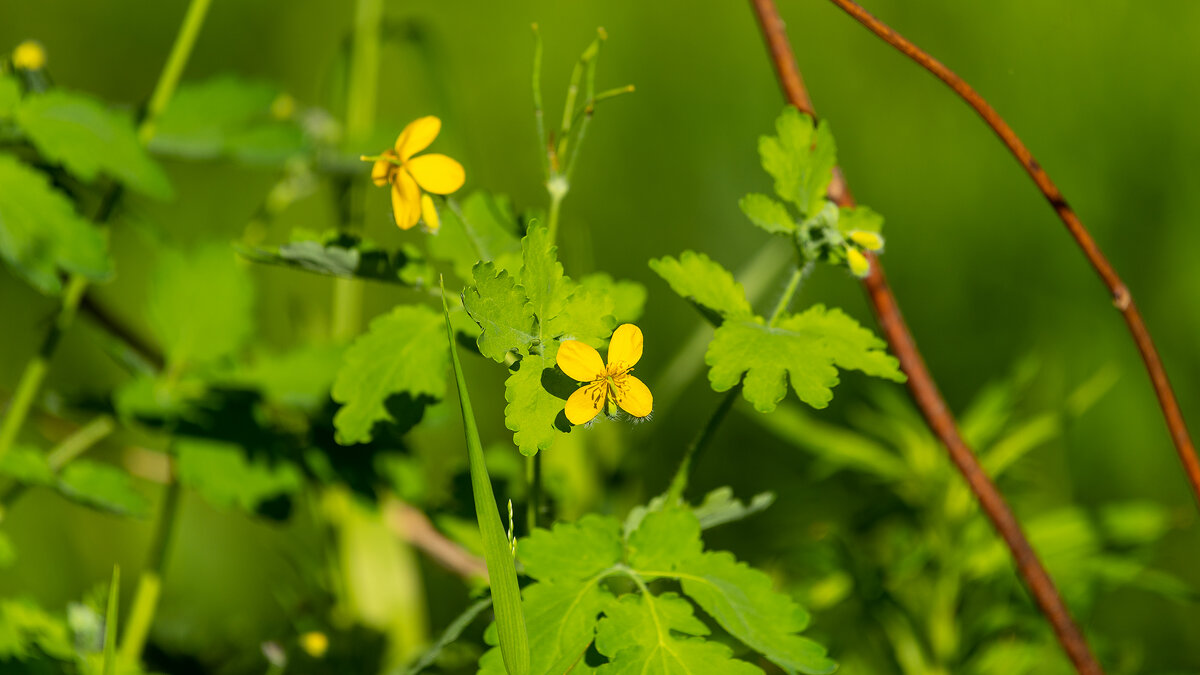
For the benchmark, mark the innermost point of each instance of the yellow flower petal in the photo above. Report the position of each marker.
(381, 170)
(429, 213)
(436, 173)
(579, 361)
(315, 643)
(634, 396)
(868, 240)
(625, 348)
(29, 55)
(858, 262)
(587, 401)
(417, 136)
(406, 200)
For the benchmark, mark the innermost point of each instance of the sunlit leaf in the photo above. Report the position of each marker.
(102, 486)
(801, 159)
(40, 233)
(804, 347)
(223, 474)
(26, 464)
(403, 352)
(537, 393)
(629, 297)
(561, 620)
(498, 304)
(572, 551)
(696, 277)
(768, 214)
(26, 628)
(89, 139)
(859, 218)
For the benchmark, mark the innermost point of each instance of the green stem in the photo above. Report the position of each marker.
(35, 370)
(785, 299)
(533, 476)
(181, 51)
(702, 441)
(145, 600)
(558, 188)
(539, 114)
(361, 95)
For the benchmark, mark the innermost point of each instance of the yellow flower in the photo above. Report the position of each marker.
(606, 385)
(857, 261)
(29, 55)
(315, 643)
(410, 175)
(868, 240)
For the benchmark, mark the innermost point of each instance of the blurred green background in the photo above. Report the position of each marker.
(1103, 93)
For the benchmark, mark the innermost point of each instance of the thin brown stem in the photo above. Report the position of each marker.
(925, 391)
(1121, 297)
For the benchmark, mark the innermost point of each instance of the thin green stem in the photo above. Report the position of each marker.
(64, 453)
(361, 96)
(533, 476)
(181, 51)
(539, 114)
(35, 371)
(145, 600)
(556, 199)
(699, 444)
(785, 299)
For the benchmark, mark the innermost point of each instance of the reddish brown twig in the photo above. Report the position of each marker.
(925, 391)
(1122, 299)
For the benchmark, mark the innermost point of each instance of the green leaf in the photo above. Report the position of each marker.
(506, 594)
(498, 304)
(834, 444)
(743, 601)
(562, 618)
(695, 277)
(638, 634)
(629, 297)
(102, 486)
(768, 214)
(537, 392)
(542, 276)
(860, 219)
(89, 139)
(27, 465)
(449, 637)
(587, 316)
(201, 304)
(572, 551)
(227, 478)
(10, 95)
(223, 115)
(346, 256)
(801, 159)
(300, 378)
(805, 346)
(720, 507)
(40, 233)
(486, 230)
(26, 628)
(662, 538)
(403, 352)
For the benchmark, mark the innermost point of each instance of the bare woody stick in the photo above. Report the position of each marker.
(924, 390)
(1121, 297)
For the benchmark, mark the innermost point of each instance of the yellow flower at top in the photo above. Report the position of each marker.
(409, 175)
(606, 385)
(29, 55)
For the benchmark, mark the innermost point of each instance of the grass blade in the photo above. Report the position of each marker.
(110, 623)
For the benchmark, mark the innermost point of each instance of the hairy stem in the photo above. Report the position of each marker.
(1121, 297)
(924, 390)
(785, 299)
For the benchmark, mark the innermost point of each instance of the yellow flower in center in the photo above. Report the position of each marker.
(606, 384)
(410, 175)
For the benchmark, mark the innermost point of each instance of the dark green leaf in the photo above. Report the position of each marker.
(89, 139)
(40, 233)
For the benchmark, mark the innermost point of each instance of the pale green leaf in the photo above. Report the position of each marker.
(561, 618)
(482, 228)
(805, 347)
(403, 352)
(225, 477)
(588, 316)
(102, 486)
(801, 159)
(768, 214)
(498, 304)
(743, 601)
(537, 392)
(662, 538)
(860, 219)
(201, 304)
(89, 139)
(542, 277)
(629, 297)
(27, 465)
(40, 233)
(639, 635)
(572, 551)
(202, 117)
(695, 277)
(26, 629)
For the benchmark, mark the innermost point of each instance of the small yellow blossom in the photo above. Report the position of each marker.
(314, 643)
(29, 55)
(857, 261)
(868, 240)
(606, 385)
(429, 213)
(409, 175)
(283, 107)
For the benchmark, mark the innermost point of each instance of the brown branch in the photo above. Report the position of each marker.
(414, 527)
(1121, 297)
(924, 390)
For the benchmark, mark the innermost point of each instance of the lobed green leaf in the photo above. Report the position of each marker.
(498, 304)
(768, 214)
(704, 282)
(801, 158)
